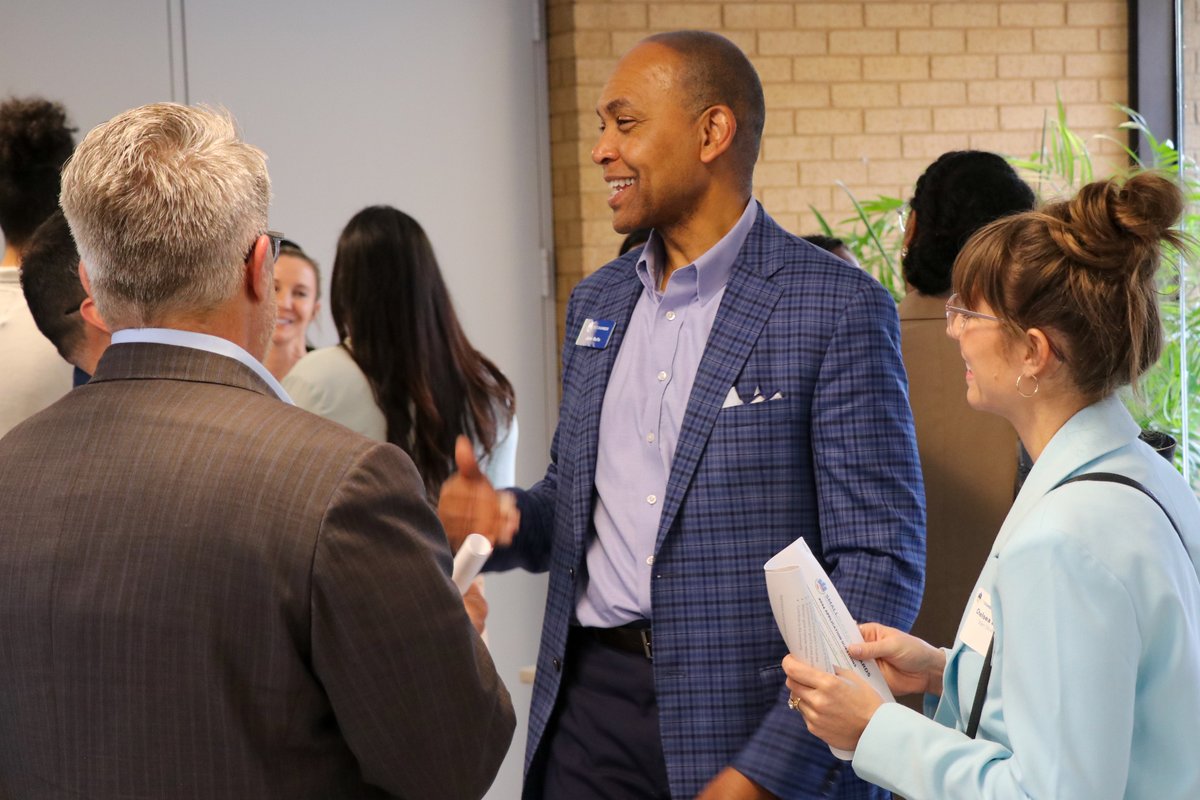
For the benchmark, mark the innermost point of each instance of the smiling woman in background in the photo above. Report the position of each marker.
(404, 371)
(297, 301)
(1076, 670)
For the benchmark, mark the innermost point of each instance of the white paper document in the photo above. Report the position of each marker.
(469, 559)
(813, 619)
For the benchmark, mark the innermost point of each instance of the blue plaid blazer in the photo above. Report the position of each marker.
(835, 460)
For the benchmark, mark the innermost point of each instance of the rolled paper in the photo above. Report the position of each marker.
(469, 559)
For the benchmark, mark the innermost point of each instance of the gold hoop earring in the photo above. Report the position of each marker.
(1036, 385)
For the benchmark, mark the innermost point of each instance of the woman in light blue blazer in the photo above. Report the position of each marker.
(1087, 611)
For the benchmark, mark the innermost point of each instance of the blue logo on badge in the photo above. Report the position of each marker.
(594, 333)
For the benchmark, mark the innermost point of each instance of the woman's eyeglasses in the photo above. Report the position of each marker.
(956, 316)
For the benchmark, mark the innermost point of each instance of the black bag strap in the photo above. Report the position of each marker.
(1125, 480)
(985, 674)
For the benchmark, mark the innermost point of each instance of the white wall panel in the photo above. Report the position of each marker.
(98, 58)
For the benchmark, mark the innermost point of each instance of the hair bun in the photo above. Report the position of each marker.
(1148, 206)
(1114, 230)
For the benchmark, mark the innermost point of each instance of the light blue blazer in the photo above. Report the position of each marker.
(1095, 687)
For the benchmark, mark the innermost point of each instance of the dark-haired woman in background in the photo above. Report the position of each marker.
(404, 371)
(968, 458)
(1088, 608)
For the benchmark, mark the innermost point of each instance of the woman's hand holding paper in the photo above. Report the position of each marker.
(837, 707)
(909, 665)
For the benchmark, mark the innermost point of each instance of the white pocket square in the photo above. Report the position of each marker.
(733, 399)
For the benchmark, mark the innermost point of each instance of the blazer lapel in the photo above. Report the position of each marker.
(614, 301)
(747, 304)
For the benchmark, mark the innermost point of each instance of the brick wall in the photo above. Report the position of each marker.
(867, 93)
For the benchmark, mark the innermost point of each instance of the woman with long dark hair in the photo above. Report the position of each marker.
(404, 371)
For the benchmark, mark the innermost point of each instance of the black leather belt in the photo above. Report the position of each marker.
(632, 638)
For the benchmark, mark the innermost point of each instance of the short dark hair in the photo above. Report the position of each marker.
(829, 243)
(718, 72)
(958, 194)
(50, 280)
(35, 142)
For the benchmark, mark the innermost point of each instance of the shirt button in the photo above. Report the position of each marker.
(651, 499)
(557, 665)
(670, 315)
(650, 438)
(662, 376)
(650, 560)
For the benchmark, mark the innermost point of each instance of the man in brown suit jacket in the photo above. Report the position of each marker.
(204, 591)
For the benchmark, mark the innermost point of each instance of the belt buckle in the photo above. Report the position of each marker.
(645, 634)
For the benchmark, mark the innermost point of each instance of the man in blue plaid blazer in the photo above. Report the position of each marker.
(725, 390)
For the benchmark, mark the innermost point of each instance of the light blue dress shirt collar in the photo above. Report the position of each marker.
(712, 269)
(205, 342)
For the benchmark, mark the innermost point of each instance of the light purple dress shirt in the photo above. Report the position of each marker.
(643, 410)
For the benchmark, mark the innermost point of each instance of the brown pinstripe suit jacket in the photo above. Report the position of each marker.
(207, 593)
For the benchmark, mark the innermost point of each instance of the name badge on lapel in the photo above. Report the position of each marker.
(594, 333)
(978, 628)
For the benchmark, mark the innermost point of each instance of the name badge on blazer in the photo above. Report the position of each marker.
(594, 333)
(978, 628)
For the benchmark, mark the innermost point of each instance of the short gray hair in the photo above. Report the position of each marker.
(164, 202)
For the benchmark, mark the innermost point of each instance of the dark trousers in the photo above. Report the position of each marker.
(603, 740)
